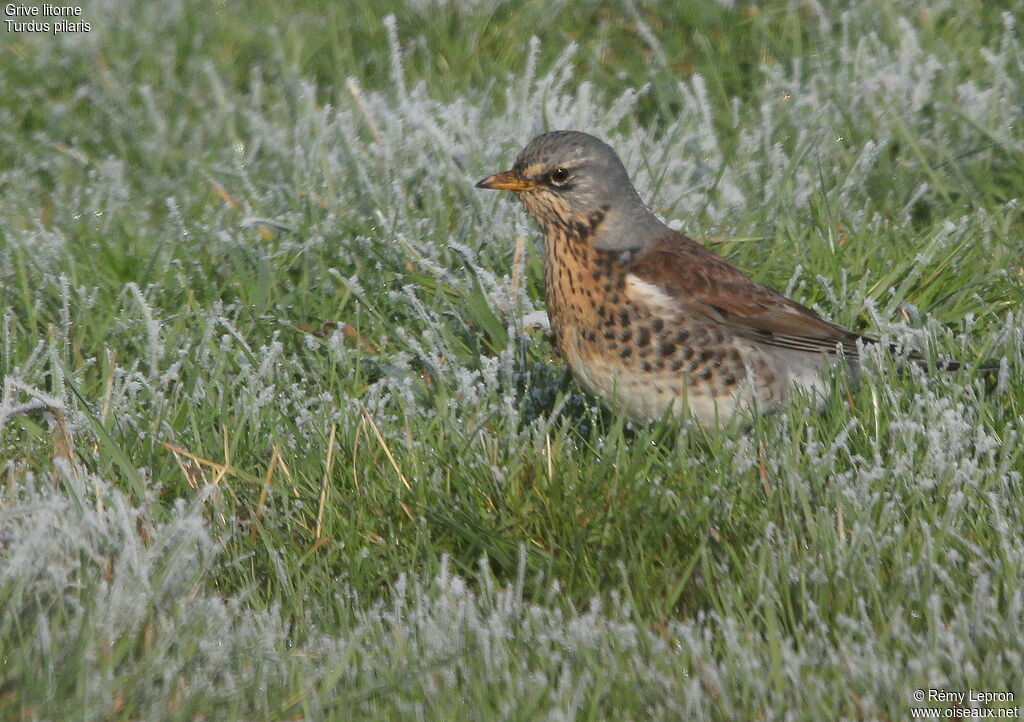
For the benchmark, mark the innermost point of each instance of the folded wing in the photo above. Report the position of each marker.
(705, 285)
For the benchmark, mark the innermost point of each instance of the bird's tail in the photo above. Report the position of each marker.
(945, 364)
(919, 359)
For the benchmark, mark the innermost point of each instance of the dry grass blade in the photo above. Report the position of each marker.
(328, 463)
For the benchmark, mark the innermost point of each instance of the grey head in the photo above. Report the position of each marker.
(572, 182)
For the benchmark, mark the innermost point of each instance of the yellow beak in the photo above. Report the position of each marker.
(507, 181)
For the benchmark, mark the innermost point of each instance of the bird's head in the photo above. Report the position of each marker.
(569, 181)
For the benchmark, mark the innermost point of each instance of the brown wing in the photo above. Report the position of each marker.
(708, 285)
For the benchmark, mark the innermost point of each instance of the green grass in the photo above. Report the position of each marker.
(305, 461)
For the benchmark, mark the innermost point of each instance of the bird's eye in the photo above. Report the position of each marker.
(559, 176)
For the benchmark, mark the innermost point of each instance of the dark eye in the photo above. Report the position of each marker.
(559, 176)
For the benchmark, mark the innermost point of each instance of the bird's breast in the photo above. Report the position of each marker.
(635, 350)
(584, 288)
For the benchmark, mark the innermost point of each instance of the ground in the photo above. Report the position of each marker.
(307, 457)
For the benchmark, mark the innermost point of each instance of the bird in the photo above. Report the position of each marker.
(651, 321)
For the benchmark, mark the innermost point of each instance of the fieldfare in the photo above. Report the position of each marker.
(648, 319)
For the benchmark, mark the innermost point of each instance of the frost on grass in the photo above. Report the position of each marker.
(106, 611)
(103, 604)
(379, 186)
(362, 286)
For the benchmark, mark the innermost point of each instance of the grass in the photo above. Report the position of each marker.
(304, 460)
